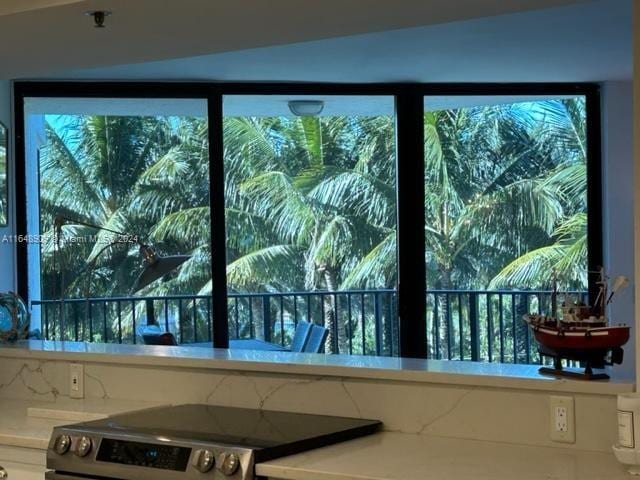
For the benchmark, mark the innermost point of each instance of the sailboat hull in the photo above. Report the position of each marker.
(584, 344)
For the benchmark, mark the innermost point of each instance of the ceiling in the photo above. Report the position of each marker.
(43, 37)
(7, 7)
(584, 42)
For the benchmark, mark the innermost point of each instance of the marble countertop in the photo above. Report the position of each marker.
(399, 456)
(493, 375)
(29, 424)
(383, 456)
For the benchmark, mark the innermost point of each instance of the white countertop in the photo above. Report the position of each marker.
(29, 424)
(400, 456)
(345, 366)
(383, 456)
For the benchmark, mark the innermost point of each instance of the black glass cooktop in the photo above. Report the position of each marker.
(270, 432)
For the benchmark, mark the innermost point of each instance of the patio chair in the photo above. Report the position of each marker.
(317, 337)
(142, 330)
(301, 336)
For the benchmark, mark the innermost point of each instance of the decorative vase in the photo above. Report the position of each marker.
(14, 318)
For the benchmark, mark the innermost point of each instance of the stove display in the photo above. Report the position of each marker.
(166, 457)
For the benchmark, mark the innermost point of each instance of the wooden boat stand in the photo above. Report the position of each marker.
(559, 371)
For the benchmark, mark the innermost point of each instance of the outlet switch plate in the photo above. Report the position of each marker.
(76, 380)
(562, 415)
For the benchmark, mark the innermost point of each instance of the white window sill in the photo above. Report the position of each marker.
(493, 375)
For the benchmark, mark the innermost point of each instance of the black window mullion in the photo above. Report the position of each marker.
(411, 218)
(218, 235)
(594, 187)
(20, 186)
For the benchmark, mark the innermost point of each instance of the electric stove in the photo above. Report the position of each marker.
(190, 442)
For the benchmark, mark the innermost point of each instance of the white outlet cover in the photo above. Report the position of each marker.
(562, 424)
(76, 380)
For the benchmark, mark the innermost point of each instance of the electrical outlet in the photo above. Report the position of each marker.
(562, 415)
(76, 380)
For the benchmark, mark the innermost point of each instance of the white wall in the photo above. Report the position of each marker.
(617, 147)
(7, 255)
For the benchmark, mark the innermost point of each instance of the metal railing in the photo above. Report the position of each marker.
(478, 325)
(485, 325)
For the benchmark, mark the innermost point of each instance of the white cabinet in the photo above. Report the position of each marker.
(23, 463)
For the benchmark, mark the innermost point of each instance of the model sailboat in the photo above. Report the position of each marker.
(582, 333)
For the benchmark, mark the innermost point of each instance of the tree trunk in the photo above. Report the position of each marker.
(444, 313)
(331, 344)
(257, 314)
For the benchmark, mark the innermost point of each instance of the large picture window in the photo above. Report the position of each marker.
(108, 177)
(506, 211)
(310, 203)
(295, 218)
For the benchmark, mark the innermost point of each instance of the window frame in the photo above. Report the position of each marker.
(409, 100)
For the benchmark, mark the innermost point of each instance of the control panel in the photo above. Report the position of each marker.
(86, 454)
(167, 457)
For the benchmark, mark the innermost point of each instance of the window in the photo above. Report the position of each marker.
(506, 210)
(310, 206)
(288, 205)
(107, 176)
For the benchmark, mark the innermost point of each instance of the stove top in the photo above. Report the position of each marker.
(178, 439)
(255, 429)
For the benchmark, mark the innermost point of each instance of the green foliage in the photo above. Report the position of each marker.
(501, 183)
(146, 176)
(310, 203)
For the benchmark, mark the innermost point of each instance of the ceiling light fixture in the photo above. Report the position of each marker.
(98, 17)
(306, 108)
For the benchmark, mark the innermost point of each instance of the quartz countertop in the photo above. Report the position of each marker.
(383, 456)
(401, 456)
(29, 424)
(494, 375)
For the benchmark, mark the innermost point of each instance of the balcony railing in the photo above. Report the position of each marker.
(461, 324)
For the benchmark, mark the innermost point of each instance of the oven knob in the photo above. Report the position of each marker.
(62, 445)
(83, 447)
(228, 463)
(204, 460)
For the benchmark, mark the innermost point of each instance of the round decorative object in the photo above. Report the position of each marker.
(14, 318)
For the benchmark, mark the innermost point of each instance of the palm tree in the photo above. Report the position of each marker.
(310, 202)
(505, 198)
(563, 138)
(144, 175)
(502, 182)
(321, 192)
